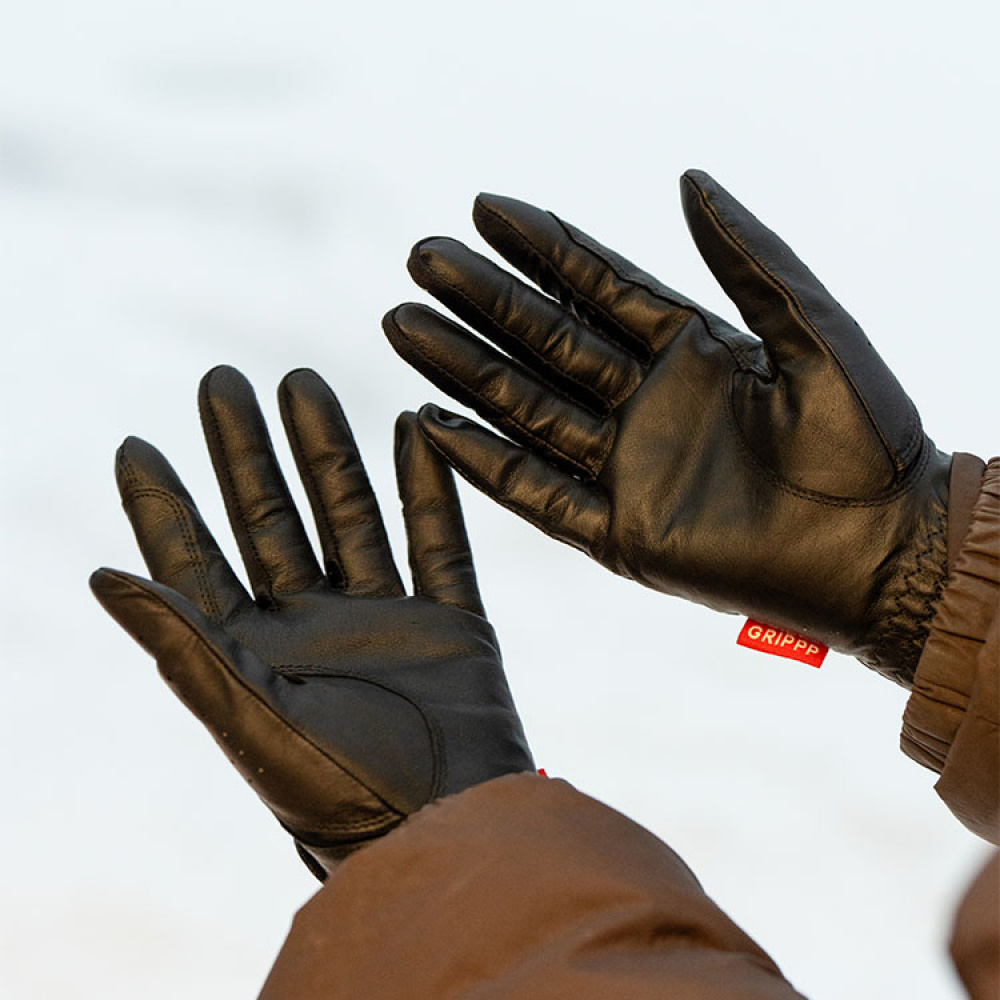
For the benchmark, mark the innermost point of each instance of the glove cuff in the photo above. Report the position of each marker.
(322, 861)
(908, 603)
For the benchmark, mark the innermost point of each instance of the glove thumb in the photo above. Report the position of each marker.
(246, 707)
(207, 670)
(806, 332)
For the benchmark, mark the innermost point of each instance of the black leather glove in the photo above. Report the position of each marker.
(346, 704)
(786, 477)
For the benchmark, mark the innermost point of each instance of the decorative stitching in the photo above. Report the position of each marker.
(740, 355)
(913, 477)
(229, 493)
(330, 544)
(184, 521)
(624, 391)
(630, 341)
(483, 486)
(502, 418)
(438, 757)
(252, 693)
(913, 423)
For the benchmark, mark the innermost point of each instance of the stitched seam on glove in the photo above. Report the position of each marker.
(330, 544)
(742, 358)
(622, 393)
(821, 498)
(252, 694)
(913, 421)
(184, 521)
(498, 416)
(230, 494)
(438, 758)
(344, 524)
(630, 341)
(481, 484)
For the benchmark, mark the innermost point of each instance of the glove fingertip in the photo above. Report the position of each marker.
(131, 602)
(304, 399)
(423, 255)
(699, 178)
(139, 463)
(220, 376)
(300, 377)
(407, 438)
(393, 325)
(407, 424)
(99, 579)
(419, 460)
(697, 190)
(108, 585)
(432, 418)
(490, 209)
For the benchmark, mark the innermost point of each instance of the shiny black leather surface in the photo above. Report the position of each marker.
(783, 474)
(346, 704)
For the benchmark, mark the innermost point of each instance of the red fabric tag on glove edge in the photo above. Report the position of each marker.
(781, 642)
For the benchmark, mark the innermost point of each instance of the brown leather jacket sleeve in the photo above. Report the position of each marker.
(952, 720)
(521, 887)
(975, 938)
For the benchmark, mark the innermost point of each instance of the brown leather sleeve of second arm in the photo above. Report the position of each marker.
(520, 887)
(952, 720)
(975, 940)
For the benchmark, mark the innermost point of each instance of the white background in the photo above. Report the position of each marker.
(188, 183)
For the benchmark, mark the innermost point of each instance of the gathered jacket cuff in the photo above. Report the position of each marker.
(521, 887)
(952, 720)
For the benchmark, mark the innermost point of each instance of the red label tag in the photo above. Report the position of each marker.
(768, 639)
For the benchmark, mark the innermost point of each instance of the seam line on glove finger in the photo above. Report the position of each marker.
(438, 757)
(472, 603)
(368, 585)
(483, 486)
(251, 693)
(630, 341)
(616, 398)
(312, 488)
(825, 499)
(740, 355)
(183, 520)
(502, 418)
(229, 492)
(410, 512)
(912, 427)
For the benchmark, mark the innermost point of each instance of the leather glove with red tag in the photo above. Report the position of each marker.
(346, 704)
(783, 475)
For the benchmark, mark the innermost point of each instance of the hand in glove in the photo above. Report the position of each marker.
(784, 475)
(346, 704)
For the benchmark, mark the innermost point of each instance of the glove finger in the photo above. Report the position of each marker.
(440, 557)
(239, 699)
(805, 330)
(272, 541)
(542, 335)
(356, 550)
(608, 291)
(500, 390)
(199, 660)
(174, 541)
(558, 504)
